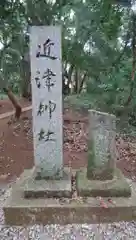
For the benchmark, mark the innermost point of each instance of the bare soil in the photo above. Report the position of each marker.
(6, 105)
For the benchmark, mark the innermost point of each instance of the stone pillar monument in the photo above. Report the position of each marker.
(102, 150)
(48, 178)
(102, 178)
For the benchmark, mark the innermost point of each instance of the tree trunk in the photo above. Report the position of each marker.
(82, 82)
(76, 81)
(133, 63)
(71, 69)
(26, 77)
(14, 101)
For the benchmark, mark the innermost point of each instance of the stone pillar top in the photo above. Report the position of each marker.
(101, 113)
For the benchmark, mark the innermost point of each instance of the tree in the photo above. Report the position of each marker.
(90, 41)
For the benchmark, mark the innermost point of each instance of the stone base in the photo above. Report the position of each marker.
(34, 188)
(100, 174)
(21, 211)
(117, 187)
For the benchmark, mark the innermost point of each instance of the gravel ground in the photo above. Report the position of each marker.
(114, 231)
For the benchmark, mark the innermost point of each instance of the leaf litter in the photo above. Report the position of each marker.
(75, 140)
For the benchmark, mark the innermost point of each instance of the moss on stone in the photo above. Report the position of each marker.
(117, 187)
(95, 172)
(91, 158)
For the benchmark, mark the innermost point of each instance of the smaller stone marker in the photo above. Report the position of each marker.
(102, 150)
(101, 176)
(49, 178)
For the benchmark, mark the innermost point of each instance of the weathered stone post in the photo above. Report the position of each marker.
(49, 178)
(101, 176)
(102, 150)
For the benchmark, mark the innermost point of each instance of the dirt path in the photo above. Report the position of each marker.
(6, 105)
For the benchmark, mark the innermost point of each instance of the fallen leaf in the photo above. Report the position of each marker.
(111, 201)
(102, 203)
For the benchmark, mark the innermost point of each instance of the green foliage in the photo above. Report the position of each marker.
(84, 101)
(90, 43)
